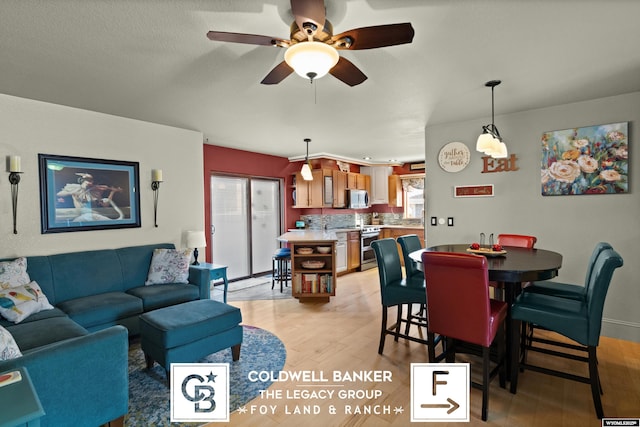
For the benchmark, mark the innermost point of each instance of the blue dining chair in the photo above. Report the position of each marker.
(411, 243)
(563, 290)
(578, 320)
(396, 291)
(567, 290)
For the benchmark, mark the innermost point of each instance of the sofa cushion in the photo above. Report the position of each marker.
(19, 302)
(32, 335)
(135, 262)
(81, 274)
(169, 266)
(39, 270)
(102, 309)
(8, 347)
(13, 273)
(44, 314)
(158, 296)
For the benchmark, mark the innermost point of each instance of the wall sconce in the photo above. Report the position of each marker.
(14, 178)
(195, 240)
(156, 179)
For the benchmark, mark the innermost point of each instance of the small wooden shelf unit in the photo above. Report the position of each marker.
(308, 283)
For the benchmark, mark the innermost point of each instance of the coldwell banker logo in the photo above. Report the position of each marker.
(199, 392)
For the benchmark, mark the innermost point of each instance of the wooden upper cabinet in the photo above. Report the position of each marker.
(395, 191)
(367, 183)
(352, 180)
(310, 194)
(328, 188)
(302, 192)
(339, 189)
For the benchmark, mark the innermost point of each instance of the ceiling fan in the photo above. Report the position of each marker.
(312, 47)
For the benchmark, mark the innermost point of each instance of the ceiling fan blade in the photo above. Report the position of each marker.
(308, 11)
(373, 37)
(345, 71)
(222, 36)
(278, 74)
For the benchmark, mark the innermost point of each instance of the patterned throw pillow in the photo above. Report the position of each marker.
(13, 273)
(18, 303)
(8, 347)
(169, 266)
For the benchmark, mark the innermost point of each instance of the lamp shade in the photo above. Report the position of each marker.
(500, 150)
(485, 143)
(306, 172)
(196, 239)
(311, 59)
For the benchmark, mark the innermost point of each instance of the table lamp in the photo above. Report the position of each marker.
(195, 240)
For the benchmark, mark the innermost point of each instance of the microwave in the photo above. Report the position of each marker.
(357, 199)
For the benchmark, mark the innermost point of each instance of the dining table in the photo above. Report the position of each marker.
(511, 269)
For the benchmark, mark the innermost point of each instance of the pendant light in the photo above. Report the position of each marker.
(306, 168)
(490, 142)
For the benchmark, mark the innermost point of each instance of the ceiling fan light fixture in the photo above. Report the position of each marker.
(311, 60)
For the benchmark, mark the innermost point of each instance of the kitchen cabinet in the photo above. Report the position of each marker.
(353, 250)
(356, 181)
(395, 191)
(341, 252)
(313, 264)
(310, 194)
(379, 193)
(339, 189)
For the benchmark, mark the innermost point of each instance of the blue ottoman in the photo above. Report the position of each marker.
(189, 331)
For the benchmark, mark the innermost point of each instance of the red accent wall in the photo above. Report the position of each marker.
(239, 162)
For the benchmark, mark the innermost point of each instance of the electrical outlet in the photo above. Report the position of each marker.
(450, 221)
(434, 220)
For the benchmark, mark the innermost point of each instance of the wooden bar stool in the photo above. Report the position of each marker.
(281, 267)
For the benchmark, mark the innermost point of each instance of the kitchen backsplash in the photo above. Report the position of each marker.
(333, 221)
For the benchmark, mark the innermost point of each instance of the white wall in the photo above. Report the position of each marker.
(30, 127)
(571, 225)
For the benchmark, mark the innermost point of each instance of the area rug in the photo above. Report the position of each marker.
(149, 397)
(253, 289)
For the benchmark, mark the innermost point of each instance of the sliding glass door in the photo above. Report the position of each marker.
(246, 218)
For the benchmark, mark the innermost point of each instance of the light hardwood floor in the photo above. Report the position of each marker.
(343, 336)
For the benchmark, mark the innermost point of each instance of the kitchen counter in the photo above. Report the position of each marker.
(313, 264)
(308, 236)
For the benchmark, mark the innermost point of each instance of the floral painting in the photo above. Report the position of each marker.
(587, 160)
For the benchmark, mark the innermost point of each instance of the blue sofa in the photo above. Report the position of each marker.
(77, 353)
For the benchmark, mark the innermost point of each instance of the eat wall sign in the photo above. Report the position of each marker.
(490, 165)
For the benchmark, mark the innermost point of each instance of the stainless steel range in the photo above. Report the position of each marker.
(368, 234)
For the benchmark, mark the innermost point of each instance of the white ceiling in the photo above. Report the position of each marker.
(151, 60)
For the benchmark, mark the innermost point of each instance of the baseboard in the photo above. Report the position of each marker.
(621, 329)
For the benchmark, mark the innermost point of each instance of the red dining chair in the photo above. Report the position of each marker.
(459, 308)
(516, 240)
